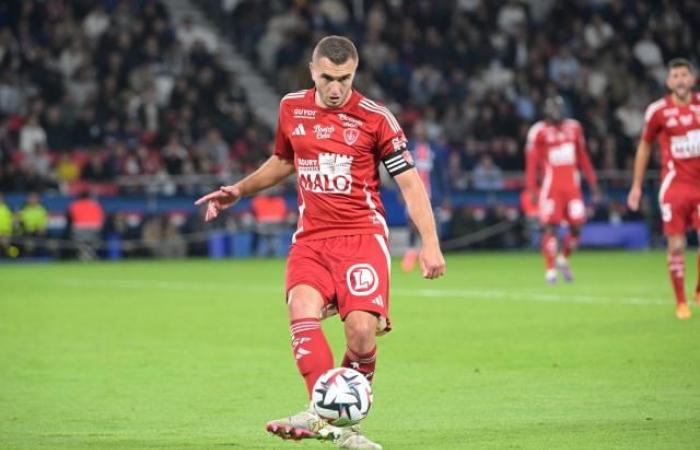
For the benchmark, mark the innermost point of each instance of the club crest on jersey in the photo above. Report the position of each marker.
(362, 279)
(329, 174)
(350, 135)
(322, 132)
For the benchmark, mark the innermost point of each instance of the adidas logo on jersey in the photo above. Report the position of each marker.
(299, 131)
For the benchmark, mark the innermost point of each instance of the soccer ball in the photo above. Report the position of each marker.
(342, 397)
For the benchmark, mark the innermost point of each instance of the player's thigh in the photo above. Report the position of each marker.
(306, 276)
(695, 213)
(575, 209)
(679, 210)
(552, 209)
(362, 277)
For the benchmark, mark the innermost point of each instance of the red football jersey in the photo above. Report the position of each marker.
(678, 131)
(336, 153)
(559, 149)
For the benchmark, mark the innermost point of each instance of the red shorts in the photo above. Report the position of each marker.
(558, 206)
(680, 207)
(350, 272)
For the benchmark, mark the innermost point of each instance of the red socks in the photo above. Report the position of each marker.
(676, 270)
(570, 244)
(310, 349)
(364, 363)
(549, 249)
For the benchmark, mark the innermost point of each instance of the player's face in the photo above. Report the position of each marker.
(333, 81)
(680, 81)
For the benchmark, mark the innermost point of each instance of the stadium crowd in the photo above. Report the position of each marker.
(477, 71)
(91, 91)
(95, 94)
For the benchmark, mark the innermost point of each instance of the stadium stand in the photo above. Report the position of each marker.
(118, 99)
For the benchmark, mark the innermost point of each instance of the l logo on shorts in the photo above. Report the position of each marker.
(362, 279)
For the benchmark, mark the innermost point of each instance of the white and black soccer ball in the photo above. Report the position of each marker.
(342, 396)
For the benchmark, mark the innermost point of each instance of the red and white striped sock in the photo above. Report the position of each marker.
(676, 271)
(570, 245)
(363, 363)
(549, 249)
(310, 349)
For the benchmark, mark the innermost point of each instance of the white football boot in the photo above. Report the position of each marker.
(304, 425)
(351, 437)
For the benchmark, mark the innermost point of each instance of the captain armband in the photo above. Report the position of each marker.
(398, 161)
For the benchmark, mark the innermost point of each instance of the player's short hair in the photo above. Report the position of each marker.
(680, 62)
(336, 48)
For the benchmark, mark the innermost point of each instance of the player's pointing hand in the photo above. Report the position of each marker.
(219, 200)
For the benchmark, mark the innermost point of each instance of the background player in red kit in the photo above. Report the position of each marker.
(557, 147)
(335, 139)
(675, 121)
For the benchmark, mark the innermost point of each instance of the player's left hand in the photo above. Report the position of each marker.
(596, 194)
(432, 262)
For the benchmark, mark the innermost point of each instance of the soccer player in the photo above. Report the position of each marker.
(335, 139)
(675, 121)
(557, 147)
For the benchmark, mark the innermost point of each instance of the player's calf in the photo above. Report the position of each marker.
(564, 268)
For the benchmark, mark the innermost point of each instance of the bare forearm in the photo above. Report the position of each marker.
(641, 161)
(268, 174)
(418, 206)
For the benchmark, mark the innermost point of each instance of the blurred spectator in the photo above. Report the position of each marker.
(67, 170)
(33, 221)
(32, 136)
(487, 176)
(6, 225)
(87, 218)
(188, 34)
(270, 214)
(33, 217)
(96, 170)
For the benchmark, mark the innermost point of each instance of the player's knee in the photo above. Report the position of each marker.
(304, 301)
(676, 246)
(360, 330)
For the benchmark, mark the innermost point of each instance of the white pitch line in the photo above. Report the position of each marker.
(466, 293)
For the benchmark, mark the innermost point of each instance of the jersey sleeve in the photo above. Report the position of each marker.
(652, 124)
(583, 157)
(283, 147)
(391, 143)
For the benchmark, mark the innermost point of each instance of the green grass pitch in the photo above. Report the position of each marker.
(195, 355)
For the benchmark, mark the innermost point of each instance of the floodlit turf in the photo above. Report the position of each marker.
(195, 355)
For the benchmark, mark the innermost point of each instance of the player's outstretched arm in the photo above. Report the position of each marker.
(271, 172)
(420, 212)
(641, 160)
